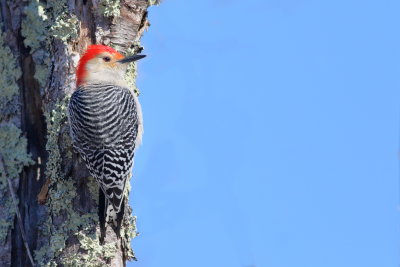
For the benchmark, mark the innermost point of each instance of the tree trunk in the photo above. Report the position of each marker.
(40, 44)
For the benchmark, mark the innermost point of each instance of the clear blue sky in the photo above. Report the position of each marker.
(271, 135)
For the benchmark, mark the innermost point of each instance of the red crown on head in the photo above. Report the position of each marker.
(91, 52)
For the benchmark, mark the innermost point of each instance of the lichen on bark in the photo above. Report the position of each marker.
(13, 152)
(13, 145)
(131, 72)
(9, 75)
(110, 8)
(44, 21)
(154, 2)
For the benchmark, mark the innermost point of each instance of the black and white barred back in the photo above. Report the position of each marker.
(104, 127)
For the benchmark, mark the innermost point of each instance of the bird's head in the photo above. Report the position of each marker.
(103, 64)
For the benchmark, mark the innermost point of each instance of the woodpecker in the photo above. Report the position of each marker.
(106, 126)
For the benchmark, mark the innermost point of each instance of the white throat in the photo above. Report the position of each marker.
(109, 76)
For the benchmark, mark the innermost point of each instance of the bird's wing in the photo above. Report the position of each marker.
(104, 130)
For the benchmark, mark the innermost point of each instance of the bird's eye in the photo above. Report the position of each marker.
(106, 59)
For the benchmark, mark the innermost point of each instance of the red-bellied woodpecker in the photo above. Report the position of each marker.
(106, 125)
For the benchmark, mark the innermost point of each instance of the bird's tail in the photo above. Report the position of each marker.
(103, 203)
(110, 214)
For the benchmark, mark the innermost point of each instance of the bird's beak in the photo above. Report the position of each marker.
(130, 59)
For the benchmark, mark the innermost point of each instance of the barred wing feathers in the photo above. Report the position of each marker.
(104, 127)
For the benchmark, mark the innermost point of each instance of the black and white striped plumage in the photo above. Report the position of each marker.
(104, 123)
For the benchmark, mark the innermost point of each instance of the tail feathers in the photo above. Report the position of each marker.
(115, 217)
(108, 213)
(103, 203)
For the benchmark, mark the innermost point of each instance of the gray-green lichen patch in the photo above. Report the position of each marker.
(13, 150)
(13, 145)
(128, 233)
(110, 8)
(129, 229)
(39, 24)
(42, 70)
(154, 2)
(9, 74)
(7, 219)
(94, 250)
(42, 23)
(65, 27)
(131, 72)
(55, 120)
(14, 153)
(34, 26)
(61, 198)
(34, 29)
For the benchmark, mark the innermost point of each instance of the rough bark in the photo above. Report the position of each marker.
(40, 46)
